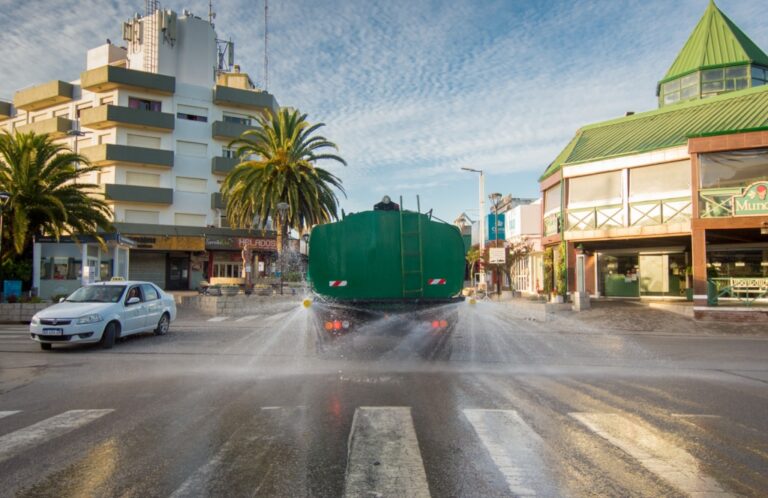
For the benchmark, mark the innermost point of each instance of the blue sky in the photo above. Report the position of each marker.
(413, 90)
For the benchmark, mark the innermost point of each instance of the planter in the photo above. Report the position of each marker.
(230, 290)
(689, 294)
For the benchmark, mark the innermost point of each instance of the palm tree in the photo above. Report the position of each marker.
(278, 166)
(472, 257)
(45, 196)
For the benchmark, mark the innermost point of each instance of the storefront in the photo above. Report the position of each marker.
(226, 264)
(170, 261)
(59, 267)
(646, 273)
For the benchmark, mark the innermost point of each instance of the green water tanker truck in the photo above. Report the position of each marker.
(385, 260)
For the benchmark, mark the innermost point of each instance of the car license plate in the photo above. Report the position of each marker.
(53, 331)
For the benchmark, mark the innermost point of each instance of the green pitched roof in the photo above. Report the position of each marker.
(666, 127)
(716, 41)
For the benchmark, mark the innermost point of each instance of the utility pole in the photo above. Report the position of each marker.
(266, 45)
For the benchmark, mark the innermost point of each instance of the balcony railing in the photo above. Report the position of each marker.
(55, 127)
(717, 202)
(595, 218)
(5, 110)
(226, 130)
(218, 201)
(136, 193)
(552, 224)
(223, 165)
(42, 96)
(107, 154)
(105, 78)
(246, 99)
(660, 212)
(109, 116)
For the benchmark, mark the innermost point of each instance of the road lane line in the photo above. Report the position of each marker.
(8, 413)
(693, 415)
(56, 426)
(383, 456)
(515, 448)
(218, 318)
(663, 458)
(246, 318)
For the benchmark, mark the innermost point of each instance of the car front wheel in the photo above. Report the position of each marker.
(109, 336)
(163, 325)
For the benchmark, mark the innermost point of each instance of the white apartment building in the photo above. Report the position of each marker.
(156, 116)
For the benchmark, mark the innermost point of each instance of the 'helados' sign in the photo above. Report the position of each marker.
(754, 200)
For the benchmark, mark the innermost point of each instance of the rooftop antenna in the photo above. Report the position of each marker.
(266, 45)
(211, 13)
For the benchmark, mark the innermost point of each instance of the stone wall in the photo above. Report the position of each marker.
(19, 312)
(240, 305)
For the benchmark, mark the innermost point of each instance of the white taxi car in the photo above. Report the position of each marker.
(104, 312)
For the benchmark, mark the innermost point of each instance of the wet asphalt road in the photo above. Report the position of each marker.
(499, 406)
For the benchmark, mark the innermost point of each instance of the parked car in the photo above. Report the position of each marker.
(103, 313)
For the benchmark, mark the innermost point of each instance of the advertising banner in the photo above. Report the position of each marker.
(495, 232)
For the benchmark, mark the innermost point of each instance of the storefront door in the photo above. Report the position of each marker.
(178, 273)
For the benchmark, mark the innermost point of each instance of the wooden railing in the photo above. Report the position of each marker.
(660, 212)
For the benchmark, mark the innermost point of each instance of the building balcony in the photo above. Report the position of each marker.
(245, 99)
(110, 116)
(134, 193)
(218, 201)
(42, 96)
(109, 154)
(106, 78)
(5, 110)
(54, 127)
(225, 130)
(223, 165)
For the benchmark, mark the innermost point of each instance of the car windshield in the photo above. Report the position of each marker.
(97, 294)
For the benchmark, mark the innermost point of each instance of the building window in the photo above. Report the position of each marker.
(738, 168)
(194, 149)
(144, 104)
(228, 152)
(192, 113)
(137, 216)
(595, 190)
(80, 108)
(186, 184)
(107, 100)
(143, 141)
(759, 76)
(660, 181)
(727, 79)
(227, 270)
(552, 199)
(142, 179)
(61, 113)
(237, 118)
(189, 220)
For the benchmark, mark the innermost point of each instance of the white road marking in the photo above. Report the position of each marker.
(218, 318)
(8, 413)
(246, 318)
(663, 458)
(383, 456)
(45, 430)
(693, 415)
(515, 448)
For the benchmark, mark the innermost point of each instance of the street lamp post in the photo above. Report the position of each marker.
(282, 209)
(495, 198)
(76, 133)
(481, 221)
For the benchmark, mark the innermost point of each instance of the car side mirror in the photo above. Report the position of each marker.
(62, 299)
(133, 300)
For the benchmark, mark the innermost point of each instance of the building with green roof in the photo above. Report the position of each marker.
(648, 204)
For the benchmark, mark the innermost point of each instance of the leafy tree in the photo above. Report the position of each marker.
(549, 271)
(472, 257)
(278, 165)
(46, 196)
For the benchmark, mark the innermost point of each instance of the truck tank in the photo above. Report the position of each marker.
(387, 256)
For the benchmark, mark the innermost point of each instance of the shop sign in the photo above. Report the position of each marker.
(167, 242)
(237, 243)
(497, 256)
(753, 202)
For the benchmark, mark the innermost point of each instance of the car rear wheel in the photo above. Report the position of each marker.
(45, 346)
(163, 325)
(109, 336)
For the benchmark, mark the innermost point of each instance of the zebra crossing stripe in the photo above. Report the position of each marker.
(218, 318)
(653, 451)
(8, 413)
(515, 448)
(56, 426)
(383, 455)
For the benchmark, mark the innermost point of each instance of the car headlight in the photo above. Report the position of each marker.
(35, 320)
(89, 319)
